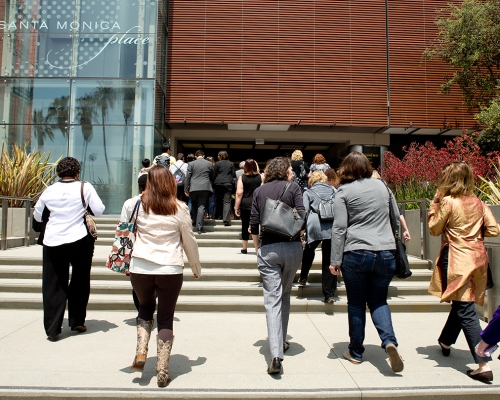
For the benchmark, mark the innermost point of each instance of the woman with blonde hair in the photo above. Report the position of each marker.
(156, 268)
(319, 231)
(460, 274)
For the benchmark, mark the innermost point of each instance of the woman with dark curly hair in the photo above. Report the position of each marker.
(66, 241)
(278, 258)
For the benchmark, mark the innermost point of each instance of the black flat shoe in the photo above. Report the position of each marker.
(444, 350)
(244, 251)
(485, 377)
(53, 338)
(286, 346)
(274, 367)
(200, 231)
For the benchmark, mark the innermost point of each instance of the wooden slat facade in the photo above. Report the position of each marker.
(318, 61)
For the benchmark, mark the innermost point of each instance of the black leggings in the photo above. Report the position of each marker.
(245, 223)
(463, 317)
(167, 289)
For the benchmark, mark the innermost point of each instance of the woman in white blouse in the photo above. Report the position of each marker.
(156, 268)
(66, 241)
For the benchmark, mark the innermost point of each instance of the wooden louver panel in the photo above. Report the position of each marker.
(277, 62)
(414, 81)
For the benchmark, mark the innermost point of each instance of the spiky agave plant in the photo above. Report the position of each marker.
(489, 190)
(23, 173)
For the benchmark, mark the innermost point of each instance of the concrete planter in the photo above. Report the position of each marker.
(15, 227)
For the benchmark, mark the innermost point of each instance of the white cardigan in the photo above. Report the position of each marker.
(161, 238)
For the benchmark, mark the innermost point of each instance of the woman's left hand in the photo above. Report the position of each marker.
(196, 276)
(335, 269)
(481, 347)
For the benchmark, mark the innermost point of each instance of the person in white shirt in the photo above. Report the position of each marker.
(179, 171)
(156, 268)
(66, 241)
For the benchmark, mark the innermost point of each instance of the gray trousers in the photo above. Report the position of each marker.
(278, 263)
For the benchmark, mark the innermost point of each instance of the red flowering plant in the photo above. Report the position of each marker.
(417, 174)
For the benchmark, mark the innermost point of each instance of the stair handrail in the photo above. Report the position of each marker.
(423, 203)
(28, 201)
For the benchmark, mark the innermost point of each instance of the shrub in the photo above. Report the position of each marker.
(417, 174)
(24, 174)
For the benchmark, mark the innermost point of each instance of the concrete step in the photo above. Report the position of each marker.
(109, 235)
(419, 303)
(112, 220)
(212, 288)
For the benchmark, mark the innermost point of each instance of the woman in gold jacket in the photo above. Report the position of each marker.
(460, 273)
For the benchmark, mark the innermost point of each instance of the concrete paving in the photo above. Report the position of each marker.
(225, 355)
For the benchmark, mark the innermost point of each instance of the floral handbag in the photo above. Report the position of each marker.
(121, 252)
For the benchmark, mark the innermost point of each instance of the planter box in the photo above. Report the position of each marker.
(15, 227)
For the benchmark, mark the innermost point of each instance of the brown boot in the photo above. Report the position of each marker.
(164, 349)
(143, 335)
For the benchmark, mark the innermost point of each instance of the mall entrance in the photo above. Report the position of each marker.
(240, 151)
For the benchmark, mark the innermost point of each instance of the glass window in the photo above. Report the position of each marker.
(113, 102)
(51, 139)
(111, 159)
(36, 101)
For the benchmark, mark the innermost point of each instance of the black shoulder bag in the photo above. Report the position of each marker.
(280, 219)
(402, 265)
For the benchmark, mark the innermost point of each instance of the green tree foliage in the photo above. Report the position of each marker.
(468, 39)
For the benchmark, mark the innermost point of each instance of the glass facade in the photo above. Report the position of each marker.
(86, 79)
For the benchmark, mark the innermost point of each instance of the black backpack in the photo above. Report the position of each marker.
(163, 160)
(325, 208)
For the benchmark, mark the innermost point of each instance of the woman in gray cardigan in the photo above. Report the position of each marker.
(363, 249)
(318, 231)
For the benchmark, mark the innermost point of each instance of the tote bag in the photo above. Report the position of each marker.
(121, 252)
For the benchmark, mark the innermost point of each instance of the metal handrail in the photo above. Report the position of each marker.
(424, 248)
(5, 214)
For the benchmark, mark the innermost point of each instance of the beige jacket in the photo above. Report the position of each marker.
(463, 221)
(161, 238)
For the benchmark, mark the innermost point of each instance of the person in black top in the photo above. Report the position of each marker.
(278, 258)
(247, 183)
(224, 177)
(300, 170)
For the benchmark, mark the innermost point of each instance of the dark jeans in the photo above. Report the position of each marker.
(211, 205)
(167, 289)
(55, 288)
(328, 281)
(199, 202)
(367, 275)
(462, 316)
(245, 223)
(223, 201)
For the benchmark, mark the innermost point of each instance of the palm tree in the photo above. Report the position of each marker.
(41, 129)
(104, 98)
(86, 112)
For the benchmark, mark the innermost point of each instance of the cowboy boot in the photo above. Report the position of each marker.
(143, 335)
(164, 349)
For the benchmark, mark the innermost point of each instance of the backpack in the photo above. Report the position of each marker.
(163, 160)
(179, 175)
(325, 208)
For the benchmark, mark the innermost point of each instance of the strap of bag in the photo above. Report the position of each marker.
(179, 168)
(391, 215)
(284, 190)
(135, 211)
(83, 198)
(321, 198)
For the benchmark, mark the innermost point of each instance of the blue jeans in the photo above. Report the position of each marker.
(367, 275)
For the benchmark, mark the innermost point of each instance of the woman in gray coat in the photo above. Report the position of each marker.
(318, 231)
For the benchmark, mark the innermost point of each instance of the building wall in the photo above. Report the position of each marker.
(268, 61)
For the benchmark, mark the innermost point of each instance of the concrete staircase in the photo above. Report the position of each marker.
(230, 280)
